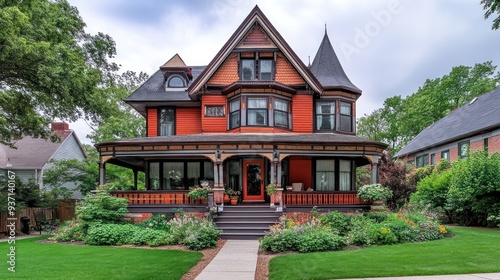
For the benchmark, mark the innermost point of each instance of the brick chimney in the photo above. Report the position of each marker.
(59, 126)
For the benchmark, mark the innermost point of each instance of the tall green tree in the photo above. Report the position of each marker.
(401, 119)
(492, 7)
(49, 68)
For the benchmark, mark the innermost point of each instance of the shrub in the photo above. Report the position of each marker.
(374, 192)
(101, 208)
(360, 233)
(433, 190)
(474, 192)
(158, 222)
(382, 235)
(377, 217)
(393, 176)
(195, 233)
(402, 227)
(415, 176)
(109, 234)
(320, 240)
(336, 220)
(280, 241)
(70, 231)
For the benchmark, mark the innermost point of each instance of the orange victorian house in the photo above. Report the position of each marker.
(254, 115)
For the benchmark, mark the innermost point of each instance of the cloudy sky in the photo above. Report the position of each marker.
(387, 47)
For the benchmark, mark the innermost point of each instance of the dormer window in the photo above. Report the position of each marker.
(265, 70)
(248, 69)
(176, 82)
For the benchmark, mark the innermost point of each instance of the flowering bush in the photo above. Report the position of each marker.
(195, 233)
(374, 192)
(70, 231)
(199, 192)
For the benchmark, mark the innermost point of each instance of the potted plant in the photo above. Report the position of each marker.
(199, 192)
(271, 190)
(234, 195)
(226, 196)
(374, 192)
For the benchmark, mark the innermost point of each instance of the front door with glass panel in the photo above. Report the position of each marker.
(253, 179)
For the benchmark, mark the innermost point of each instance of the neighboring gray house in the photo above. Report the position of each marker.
(32, 156)
(475, 125)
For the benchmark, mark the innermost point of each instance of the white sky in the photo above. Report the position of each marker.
(386, 47)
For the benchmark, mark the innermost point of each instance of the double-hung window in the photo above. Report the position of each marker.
(167, 122)
(234, 113)
(247, 69)
(280, 113)
(325, 115)
(345, 117)
(325, 175)
(265, 70)
(257, 111)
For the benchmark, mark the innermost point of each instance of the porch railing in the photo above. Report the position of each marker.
(321, 198)
(158, 197)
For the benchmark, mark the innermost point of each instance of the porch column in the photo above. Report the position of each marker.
(278, 174)
(135, 178)
(102, 173)
(375, 177)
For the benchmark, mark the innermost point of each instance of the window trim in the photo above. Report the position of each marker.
(259, 63)
(185, 179)
(287, 126)
(345, 115)
(257, 68)
(248, 109)
(336, 172)
(158, 133)
(433, 159)
(213, 106)
(425, 159)
(236, 111)
(447, 153)
(241, 69)
(460, 146)
(184, 84)
(334, 115)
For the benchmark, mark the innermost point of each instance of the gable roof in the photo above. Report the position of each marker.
(255, 16)
(328, 70)
(33, 153)
(480, 115)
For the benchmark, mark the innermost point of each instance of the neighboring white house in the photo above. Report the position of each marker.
(32, 156)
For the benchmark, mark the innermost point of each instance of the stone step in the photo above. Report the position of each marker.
(245, 223)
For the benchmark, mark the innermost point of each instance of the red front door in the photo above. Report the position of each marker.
(253, 179)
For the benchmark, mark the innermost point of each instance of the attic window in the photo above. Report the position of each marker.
(176, 82)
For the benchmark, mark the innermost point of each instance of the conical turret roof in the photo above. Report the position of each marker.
(327, 69)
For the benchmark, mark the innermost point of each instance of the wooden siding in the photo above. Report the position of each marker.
(314, 198)
(213, 124)
(256, 37)
(188, 121)
(157, 197)
(227, 72)
(286, 73)
(301, 171)
(152, 122)
(302, 113)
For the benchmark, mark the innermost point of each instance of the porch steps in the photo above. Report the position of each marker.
(246, 222)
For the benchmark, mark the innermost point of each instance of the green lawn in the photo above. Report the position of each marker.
(61, 261)
(470, 251)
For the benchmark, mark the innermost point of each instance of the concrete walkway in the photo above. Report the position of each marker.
(477, 276)
(236, 260)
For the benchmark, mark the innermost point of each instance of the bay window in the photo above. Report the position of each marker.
(325, 115)
(345, 117)
(280, 113)
(257, 111)
(234, 113)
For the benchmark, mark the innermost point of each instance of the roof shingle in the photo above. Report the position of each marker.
(479, 115)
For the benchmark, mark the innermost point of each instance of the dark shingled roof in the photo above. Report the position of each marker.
(154, 88)
(331, 138)
(327, 69)
(31, 153)
(481, 114)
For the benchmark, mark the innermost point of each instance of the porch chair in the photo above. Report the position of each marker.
(297, 187)
(42, 223)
